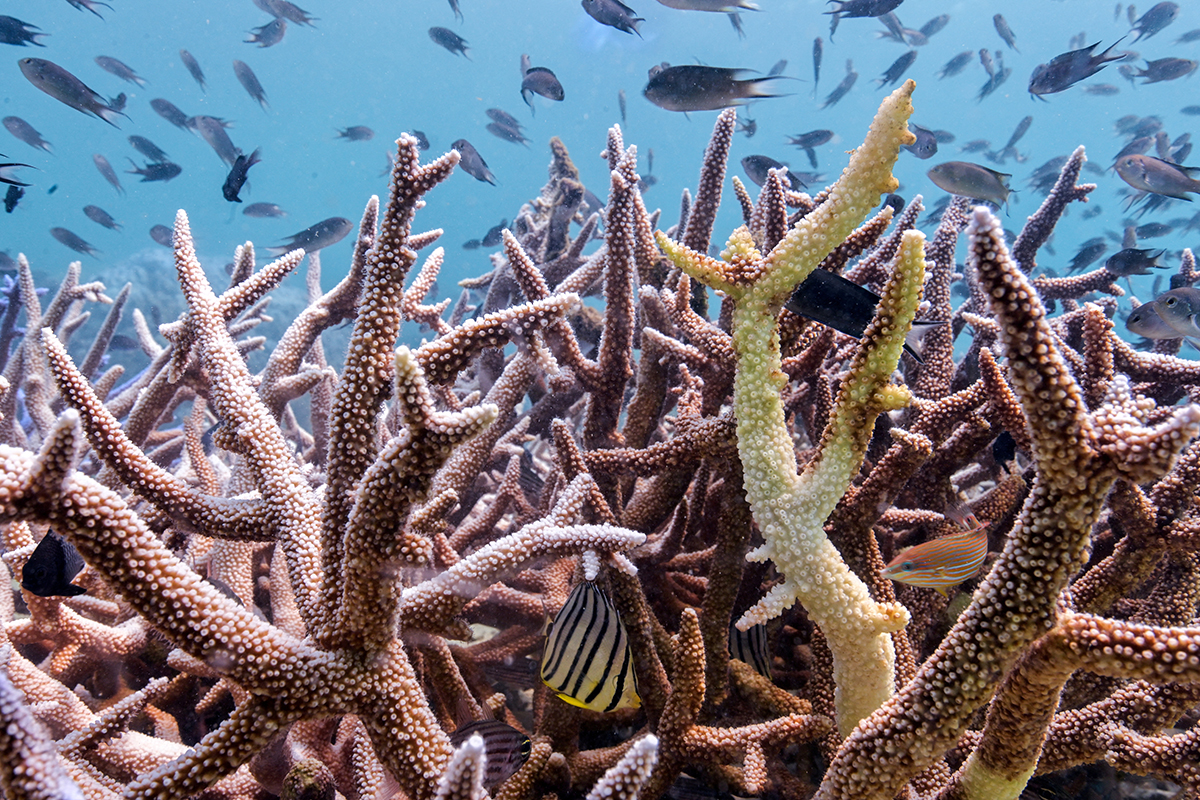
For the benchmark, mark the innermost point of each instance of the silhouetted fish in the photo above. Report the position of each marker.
(12, 197)
(89, 5)
(168, 111)
(864, 8)
(614, 14)
(155, 171)
(50, 569)
(26, 133)
(444, 37)
(148, 148)
(1067, 69)
(1154, 20)
(1132, 261)
(212, 130)
(101, 217)
(237, 176)
(842, 88)
(108, 172)
(1166, 69)
(538, 80)
(356, 133)
(1005, 32)
(956, 64)
(323, 234)
(897, 69)
(268, 35)
(193, 68)
(249, 82)
(14, 31)
(163, 235)
(693, 87)
(263, 210)
(120, 69)
(74, 242)
(818, 50)
(67, 89)
(473, 163)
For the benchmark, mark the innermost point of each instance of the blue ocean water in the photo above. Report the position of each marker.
(373, 63)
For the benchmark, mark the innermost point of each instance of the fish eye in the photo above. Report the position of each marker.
(1170, 302)
(907, 566)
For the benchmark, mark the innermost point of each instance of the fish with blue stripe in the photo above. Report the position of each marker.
(943, 563)
(587, 660)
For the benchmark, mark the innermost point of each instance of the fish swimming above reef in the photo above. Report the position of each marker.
(26, 133)
(614, 14)
(1132, 261)
(263, 210)
(14, 31)
(842, 88)
(50, 569)
(170, 112)
(268, 35)
(1153, 175)
(148, 148)
(1067, 69)
(101, 217)
(976, 181)
(325, 233)
(110, 174)
(587, 661)
(444, 37)
(120, 69)
(155, 171)
(163, 235)
(1166, 69)
(756, 168)
(356, 133)
(473, 163)
(926, 145)
(1154, 20)
(74, 241)
(844, 306)
(897, 69)
(693, 87)
(539, 80)
(67, 89)
(250, 82)
(237, 176)
(193, 68)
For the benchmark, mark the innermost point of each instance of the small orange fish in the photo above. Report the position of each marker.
(943, 563)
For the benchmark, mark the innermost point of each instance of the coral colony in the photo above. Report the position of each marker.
(350, 594)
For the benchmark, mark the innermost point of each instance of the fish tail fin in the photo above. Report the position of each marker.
(110, 115)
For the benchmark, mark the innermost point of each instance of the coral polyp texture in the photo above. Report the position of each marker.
(315, 576)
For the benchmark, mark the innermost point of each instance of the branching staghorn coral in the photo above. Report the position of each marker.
(396, 543)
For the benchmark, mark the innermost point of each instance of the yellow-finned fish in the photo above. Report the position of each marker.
(587, 661)
(942, 563)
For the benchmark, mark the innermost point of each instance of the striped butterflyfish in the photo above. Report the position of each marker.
(942, 563)
(751, 646)
(587, 661)
(506, 748)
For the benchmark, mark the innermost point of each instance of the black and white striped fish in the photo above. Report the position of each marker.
(587, 661)
(752, 647)
(506, 748)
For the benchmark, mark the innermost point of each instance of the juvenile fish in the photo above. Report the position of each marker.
(249, 82)
(422, 139)
(614, 14)
(444, 37)
(155, 171)
(926, 145)
(1154, 20)
(495, 234)
(148, 148)
(73, 241)
(818, 50)
(26, 133)
(11, 197)
(843, 88)
(1153, 175)
(897, 69)
(268, 35)
(237, 176)
(101, 217)
(538, 80)
(971, 180)
(14, 31)
(1005, 32)
(193, 68)
(120, 69)
(262, 210)
(168, 111)
(473, 163)
(1067, 69)
(67, 89)
(1166, 69)
(108, 172)
(162, 235)
(325, 233)
(50, 569)
(357, 133)
(692, 87)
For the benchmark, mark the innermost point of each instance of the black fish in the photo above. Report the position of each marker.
(444, 37)
(250, 83)
(538, 80)
(897, 69)
(1088, 254)
(422, 139)
(193, 68)
(811, 138)
(263, 210)
(1004, 449)
(155, 171)
(7, 173)
(120, 69)
(621, 104)
(168, 111)
(1154, 20)
(1132, 261)
(237, 176)
(26, 133)
(268, 35)
(758, 167)
(817, 52)
(14, 31)
(108, 172)
(863, 8)
(841, 304)
(473, 163)
(842, 88)
(506, 748)
(956, 64)
(934, 25)
(163, 235)
(693, 87)
(67, 89)
(502, 117)
(54, 564)
(148, 148)
(1067, 69)
(926, 145)
(458, 15)
(73, 241)
(1166, 69)
(507, 134)
(495, 234)
(357, 133)
(12, 197)
(325, 233)
(614, 14)
(212, 130)
(101, 217)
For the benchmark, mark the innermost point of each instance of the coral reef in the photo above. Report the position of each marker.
(303, 581)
